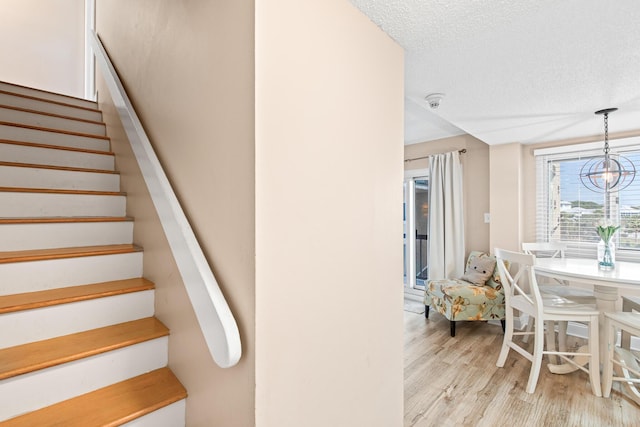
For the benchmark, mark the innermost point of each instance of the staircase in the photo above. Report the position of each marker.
(79, 345)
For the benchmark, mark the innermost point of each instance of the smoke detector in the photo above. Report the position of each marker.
(434, 100)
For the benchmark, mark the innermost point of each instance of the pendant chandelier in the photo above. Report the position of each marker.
(608, 173)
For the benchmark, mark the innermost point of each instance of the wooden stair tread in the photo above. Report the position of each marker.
(49, 101)
(109, 406)
(115, 404)
(66, 132)
(62, 219)
(60, 191)
(58, 116)
(44, 354)
(56, 147)
(46, 91)
(60, 253)
(50, 297)
(61, 168)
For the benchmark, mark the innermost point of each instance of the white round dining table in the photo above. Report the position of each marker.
(607, 285)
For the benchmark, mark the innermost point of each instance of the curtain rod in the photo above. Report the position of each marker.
(464, 150)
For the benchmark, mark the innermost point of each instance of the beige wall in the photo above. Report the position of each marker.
(475, 166)
(315, 294)
(329, 130)
(43, 44)
(506, 196)
(188, 67)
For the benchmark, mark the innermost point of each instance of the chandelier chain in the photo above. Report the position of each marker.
(606, 133)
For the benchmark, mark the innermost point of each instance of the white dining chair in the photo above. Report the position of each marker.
(517, 271)
(621, 361)
(630, 304)
(545, 249)
(559, 288)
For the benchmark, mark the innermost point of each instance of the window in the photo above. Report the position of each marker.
(567, 211)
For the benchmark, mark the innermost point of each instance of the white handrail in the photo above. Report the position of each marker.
(216, 320)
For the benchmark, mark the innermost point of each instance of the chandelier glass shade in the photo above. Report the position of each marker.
(610, 172)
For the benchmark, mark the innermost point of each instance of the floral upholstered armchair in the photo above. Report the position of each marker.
(477, 295)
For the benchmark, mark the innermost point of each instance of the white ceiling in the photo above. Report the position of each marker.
(515, 70)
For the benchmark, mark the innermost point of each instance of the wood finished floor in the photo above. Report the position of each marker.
(455, 382)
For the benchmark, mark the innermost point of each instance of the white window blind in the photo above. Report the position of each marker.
(568, 212)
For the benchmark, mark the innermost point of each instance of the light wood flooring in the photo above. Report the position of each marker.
(455, 382)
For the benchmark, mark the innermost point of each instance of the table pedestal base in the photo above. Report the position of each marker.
(567, 368)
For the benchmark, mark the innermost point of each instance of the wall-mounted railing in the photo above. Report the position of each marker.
(214, 316)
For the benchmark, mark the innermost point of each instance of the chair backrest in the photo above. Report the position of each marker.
(518, 276)
(545, 249)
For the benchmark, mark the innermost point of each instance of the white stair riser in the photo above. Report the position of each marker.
(29, 276)
(26, 177)
(50, 122)
(23, 237)
(49, 107)
(173, 415)
(8, 87)
(45, 387)
(28, 326)
(36, 136)
(53, 157)
(21, 205)
(28, 392)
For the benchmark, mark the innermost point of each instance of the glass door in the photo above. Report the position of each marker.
(416, 226)
(421, 194)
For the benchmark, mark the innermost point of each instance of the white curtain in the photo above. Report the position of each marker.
(446, 217)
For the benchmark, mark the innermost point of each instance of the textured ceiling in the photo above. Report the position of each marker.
(515, 71)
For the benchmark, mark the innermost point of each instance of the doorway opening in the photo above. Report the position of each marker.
(416, 226)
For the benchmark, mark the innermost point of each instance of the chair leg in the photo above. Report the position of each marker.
(426, 311)
(453, 328)
(525, 338)
(551, 341)
(625, 340)
(562, 335)
(502, 322)
(506, 341)
(536, 362)
(625, 337)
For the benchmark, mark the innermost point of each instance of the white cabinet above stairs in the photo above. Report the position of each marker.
(79, 344)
